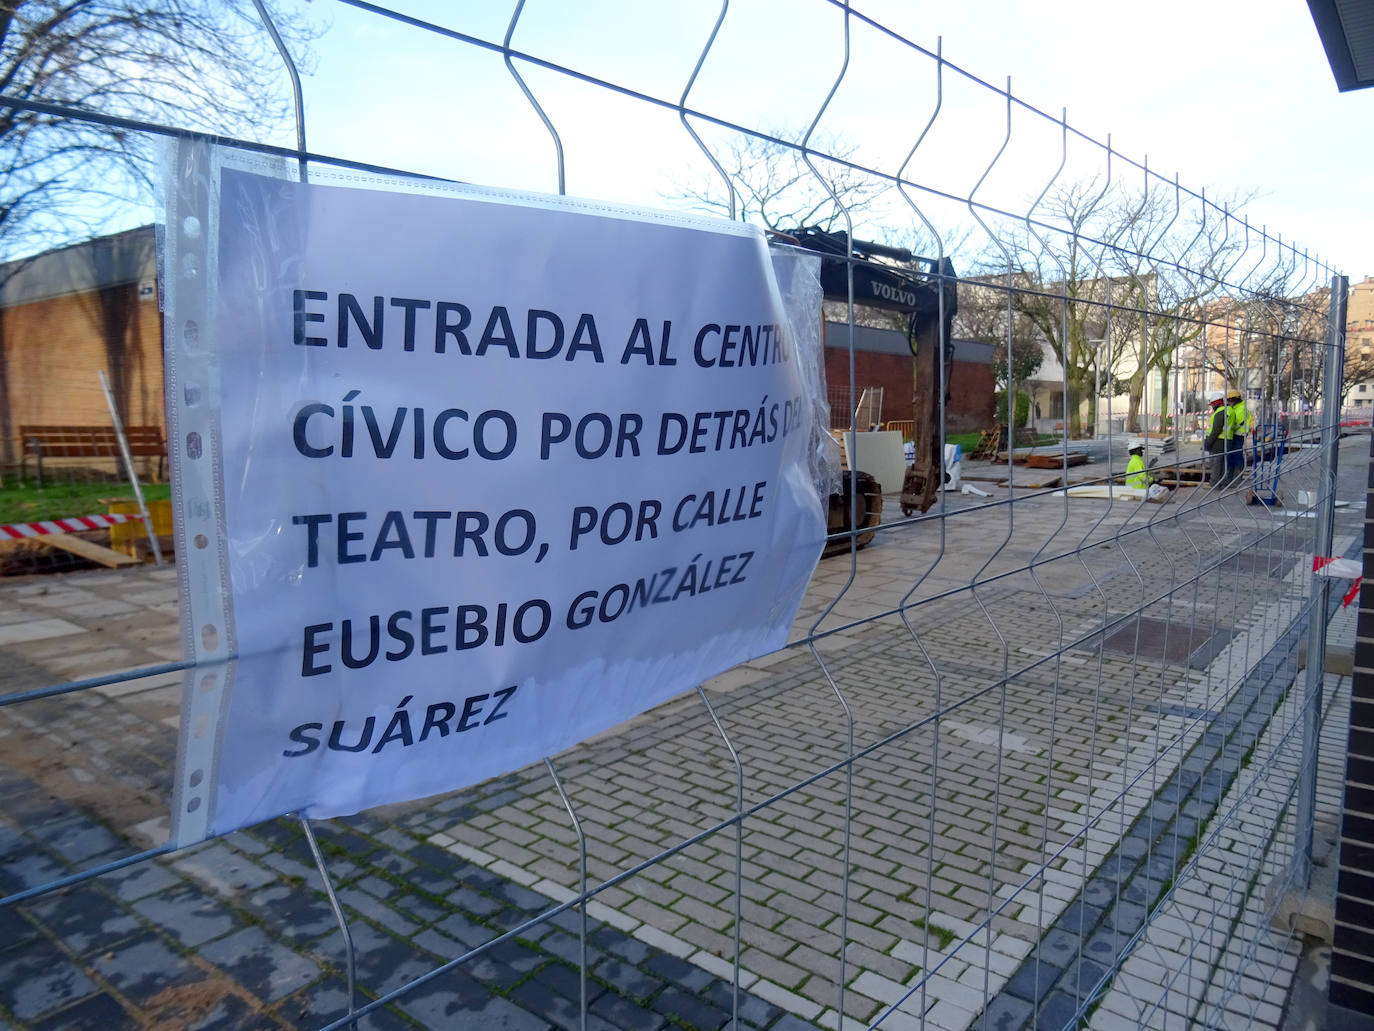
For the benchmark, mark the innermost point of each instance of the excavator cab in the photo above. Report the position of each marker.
(925, 291)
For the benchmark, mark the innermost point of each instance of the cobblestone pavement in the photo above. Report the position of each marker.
(1061, 720)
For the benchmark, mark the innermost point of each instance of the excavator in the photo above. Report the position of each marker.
(924, 290)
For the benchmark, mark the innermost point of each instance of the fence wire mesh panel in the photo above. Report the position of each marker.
(1045, 748)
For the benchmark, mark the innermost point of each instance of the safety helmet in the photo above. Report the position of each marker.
(1214, 397)
(1136, 446)
(1233, 394)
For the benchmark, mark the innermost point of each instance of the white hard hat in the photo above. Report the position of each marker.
(1214, 395)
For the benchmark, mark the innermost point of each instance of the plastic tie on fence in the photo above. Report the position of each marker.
(1342, 568)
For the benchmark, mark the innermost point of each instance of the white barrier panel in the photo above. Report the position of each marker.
(878, 453)
(493, 476)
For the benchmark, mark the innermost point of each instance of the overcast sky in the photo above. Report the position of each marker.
(1233, 96)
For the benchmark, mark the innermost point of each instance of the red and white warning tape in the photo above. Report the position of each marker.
(1341, 567)
(75, 524)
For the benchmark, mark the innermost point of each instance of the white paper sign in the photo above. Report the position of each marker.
(495, 477)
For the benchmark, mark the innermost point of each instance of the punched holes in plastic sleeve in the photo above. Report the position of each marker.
(194, 781)
(209, 637)
(190, 266)
(190, 336)
(190, 227)
(193, 448)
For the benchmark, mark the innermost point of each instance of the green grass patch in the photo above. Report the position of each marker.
(942, 935)
(28, 502)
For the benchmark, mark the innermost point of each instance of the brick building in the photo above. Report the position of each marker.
(67, 314)
(883, 359)
(70, 312)
(1359, 344)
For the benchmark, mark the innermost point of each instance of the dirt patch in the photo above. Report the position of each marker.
(184, 1005)
(68, 765)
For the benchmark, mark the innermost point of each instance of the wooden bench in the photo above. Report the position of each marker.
(90, 442)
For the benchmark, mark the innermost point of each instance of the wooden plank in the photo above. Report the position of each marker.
(1179, 474)
(1113, 492)
(1059, 461)
(91, 441)
(87, 550)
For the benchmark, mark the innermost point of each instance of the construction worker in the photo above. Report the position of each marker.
(1136, 476)
(1238, 425)
(1215, 442)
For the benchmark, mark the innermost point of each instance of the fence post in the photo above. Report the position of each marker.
(1323, 532)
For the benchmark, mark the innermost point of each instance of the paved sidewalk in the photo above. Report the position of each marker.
(1038, 758)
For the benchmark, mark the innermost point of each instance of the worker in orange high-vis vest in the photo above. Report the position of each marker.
(1238, 424)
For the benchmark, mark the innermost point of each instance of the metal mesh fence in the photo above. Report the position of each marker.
(1040, 755)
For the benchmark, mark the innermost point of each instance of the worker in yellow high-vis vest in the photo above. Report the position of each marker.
(1238, 424)
(1136, 476)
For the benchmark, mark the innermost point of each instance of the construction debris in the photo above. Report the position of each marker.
(1178, 474)
(1112, 492)
(1057, 461)
(1153, 443)
(988, 443)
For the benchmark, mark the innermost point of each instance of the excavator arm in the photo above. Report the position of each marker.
(925, 291)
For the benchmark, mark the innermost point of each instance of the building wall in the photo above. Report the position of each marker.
(54, 351)
(1359, 340)
(970, 406)
(882, 359)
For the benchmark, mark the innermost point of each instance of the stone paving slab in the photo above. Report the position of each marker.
(942, 862)
(194, 942)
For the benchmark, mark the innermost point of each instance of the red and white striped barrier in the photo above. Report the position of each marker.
(75, 524)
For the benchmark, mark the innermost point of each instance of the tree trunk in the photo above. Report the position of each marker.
(1165, 412)
(1080, 386)
(1135, 393)
(7, 442)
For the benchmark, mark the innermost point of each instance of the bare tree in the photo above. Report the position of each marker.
(775, 188)
(986, 315)
(1271, 341)
(1114, 282)
(205, 65)
(1171, 263)
(1058, 283)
